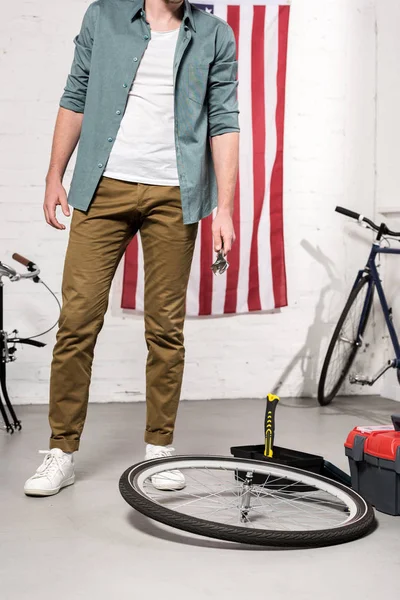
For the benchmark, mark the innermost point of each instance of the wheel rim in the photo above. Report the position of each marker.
(218, 491)
(346, 345)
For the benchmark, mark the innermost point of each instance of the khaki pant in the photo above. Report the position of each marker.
(97, 242)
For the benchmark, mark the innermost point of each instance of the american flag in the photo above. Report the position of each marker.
(256, 278)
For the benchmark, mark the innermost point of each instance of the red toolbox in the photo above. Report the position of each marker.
(374, 457)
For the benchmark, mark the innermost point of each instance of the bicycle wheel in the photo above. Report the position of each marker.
(290, 507)
(346, 340)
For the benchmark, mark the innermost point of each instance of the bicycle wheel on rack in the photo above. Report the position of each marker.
(346, 340)
(249, 501)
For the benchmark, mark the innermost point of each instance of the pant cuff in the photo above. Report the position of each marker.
(157, 438)
(65, 445)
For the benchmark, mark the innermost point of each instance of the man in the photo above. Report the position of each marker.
(152, 98)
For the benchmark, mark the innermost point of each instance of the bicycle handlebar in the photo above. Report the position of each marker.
(346, 212)
(361, 219)
(33, 269)
(22, 260)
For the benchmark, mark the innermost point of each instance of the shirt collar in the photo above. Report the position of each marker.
(187, 15)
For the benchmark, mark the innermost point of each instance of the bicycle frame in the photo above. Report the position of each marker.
(16, 424)
(372, 271)
(6, 352)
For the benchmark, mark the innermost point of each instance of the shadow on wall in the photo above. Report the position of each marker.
(310, 355)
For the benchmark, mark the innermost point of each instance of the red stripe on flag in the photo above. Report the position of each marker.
(206, 260)
(130, 275)
(258, 126)
(276, 199)
(232, 274)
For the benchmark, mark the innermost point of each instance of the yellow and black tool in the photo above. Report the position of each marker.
(269, 425)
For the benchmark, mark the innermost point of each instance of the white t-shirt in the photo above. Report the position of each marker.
(144, 149)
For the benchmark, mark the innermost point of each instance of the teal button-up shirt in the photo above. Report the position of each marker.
(108, 50)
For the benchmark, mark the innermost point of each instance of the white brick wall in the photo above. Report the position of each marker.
(388, 134)
(330, 159)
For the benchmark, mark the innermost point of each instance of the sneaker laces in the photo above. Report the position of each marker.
(162, 452)
(49, 465)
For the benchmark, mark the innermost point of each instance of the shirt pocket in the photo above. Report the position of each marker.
(197, 82)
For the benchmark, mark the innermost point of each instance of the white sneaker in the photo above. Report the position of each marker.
(56, 472)
(168, 480)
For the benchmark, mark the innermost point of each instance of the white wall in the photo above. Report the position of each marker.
(388, 154)
(330, 159)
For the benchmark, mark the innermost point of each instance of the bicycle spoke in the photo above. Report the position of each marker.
(346, 342)
(217, 494)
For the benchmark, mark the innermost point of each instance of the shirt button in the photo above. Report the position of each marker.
(146, 37)
(100, 165)
(135, 59)
(110, 139)
(125, 85)
(118, 112)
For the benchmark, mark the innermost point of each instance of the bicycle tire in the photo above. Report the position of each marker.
(363, 522)
(326, 398)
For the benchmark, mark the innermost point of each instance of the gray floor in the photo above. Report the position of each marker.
(87, 543)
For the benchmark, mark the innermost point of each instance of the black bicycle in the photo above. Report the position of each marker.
(9, 341)
(348, 336)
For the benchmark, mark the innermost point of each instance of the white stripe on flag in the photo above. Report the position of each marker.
(270, 94)
(220, 10)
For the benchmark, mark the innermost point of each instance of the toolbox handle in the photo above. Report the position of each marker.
(396, 422)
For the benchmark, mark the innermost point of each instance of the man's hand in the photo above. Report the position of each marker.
(66, 135)
(55, 196)
(223, 231)
(225, 150)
